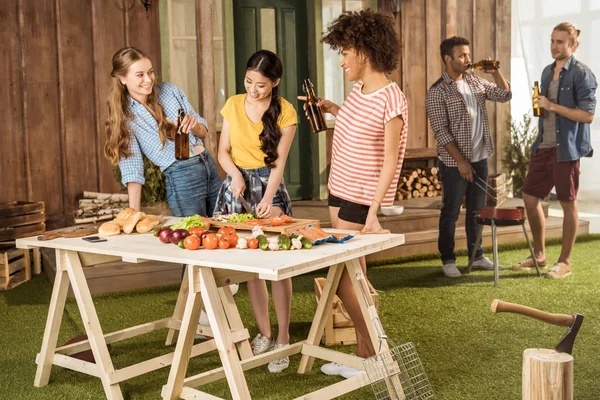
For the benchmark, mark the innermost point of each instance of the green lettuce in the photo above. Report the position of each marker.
(188, 223)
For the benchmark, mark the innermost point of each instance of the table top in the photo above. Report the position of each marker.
(270, 265)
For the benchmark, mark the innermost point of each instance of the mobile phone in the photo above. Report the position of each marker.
(94, 239)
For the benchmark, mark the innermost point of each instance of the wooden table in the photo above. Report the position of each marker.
(205, 284)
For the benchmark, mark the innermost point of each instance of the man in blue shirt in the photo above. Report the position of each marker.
(568, 99)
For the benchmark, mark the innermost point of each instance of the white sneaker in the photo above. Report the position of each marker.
(332, 368)
(261, 344)
(349, 372)
(485, 263)
(234, 287)
(450, 270)
(281, 364)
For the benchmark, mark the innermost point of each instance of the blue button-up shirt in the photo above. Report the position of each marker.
(576, 89)
(144, 134)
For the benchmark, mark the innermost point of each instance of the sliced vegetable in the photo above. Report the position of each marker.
(240, 217)
(307, 244)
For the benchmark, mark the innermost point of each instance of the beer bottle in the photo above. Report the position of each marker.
(486, 65)
(537, 110)
(182, 139)
(315, 114)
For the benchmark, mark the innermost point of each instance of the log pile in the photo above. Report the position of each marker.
(420, 182)
(94, 207)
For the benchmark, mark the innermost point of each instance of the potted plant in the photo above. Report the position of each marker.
(517, 151)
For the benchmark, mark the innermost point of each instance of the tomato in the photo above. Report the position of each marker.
(253, 243)
(233, 239)
(210, 241)
(276, 221)
(226, 230)
(197, 230)
(192, 242)
(286, 218)
(224, 243)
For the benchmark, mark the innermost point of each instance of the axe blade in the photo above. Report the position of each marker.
(566, 342)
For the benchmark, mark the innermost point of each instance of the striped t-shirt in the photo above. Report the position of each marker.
(358, 143)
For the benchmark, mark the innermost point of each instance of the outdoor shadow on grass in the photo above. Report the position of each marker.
(430, 277)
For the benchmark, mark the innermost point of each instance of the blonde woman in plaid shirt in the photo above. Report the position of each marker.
(457, 111)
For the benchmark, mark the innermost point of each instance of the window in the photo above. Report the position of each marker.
(179, 48)
(337, 87)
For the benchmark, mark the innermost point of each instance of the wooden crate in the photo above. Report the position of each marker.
(15, 267)
(339, 328)
(19, 219)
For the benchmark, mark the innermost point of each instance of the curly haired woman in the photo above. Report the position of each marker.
(369, 142)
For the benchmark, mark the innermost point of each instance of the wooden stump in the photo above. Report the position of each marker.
(547, 375)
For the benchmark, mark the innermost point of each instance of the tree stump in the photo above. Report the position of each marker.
(547, 375)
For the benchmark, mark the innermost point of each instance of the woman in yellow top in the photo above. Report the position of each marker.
(258, 130)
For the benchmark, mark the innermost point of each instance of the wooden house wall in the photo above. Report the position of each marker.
(422, 25)
(57, 56)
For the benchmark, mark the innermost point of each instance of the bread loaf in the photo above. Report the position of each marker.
(109, 229)
(123, 217)
(148, 223)
(132, 221)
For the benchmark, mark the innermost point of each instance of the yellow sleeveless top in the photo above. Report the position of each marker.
(244, 134)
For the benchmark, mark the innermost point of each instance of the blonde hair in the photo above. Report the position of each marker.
(571, 31)
(119, 113)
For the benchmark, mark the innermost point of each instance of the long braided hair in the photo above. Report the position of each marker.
(269, 65)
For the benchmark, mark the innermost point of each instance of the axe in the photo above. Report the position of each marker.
(572, 322)
(547, 374)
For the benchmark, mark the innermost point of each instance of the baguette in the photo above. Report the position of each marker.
(148, 223)
(132, 220)
(110, 228)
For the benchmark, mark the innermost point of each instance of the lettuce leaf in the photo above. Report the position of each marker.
(188, 222)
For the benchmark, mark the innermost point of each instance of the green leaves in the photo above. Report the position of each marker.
(518, 150)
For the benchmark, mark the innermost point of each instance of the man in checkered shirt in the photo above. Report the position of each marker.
(457, 112)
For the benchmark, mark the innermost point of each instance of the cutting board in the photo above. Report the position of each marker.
(73, 232)
(285, 228)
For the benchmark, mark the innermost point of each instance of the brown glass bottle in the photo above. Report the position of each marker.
(537, 110)
(182, 139)
(315, 114)
(486, 65)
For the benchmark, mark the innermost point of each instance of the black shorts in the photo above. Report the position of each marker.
(349, 211)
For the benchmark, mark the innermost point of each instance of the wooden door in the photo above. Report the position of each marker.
(279, 26)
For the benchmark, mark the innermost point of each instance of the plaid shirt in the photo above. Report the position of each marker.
(144, 138)
(450, 120)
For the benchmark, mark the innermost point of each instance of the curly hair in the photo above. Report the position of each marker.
(370, 33)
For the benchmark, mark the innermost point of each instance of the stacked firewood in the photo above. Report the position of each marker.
(420, 182)
(94, 207)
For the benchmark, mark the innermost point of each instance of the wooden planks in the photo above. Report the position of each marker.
(414, 61)
(12, 164)
(77, 100)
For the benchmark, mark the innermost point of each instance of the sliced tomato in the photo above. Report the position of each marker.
(286, 218)
(276, 221)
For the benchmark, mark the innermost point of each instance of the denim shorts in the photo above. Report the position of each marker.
(193, 185)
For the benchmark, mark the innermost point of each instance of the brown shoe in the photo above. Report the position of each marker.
(528, 264)
(559, 271)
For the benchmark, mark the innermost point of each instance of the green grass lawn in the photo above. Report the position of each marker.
(468, 352)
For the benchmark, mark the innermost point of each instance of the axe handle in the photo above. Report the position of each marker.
(499, 306)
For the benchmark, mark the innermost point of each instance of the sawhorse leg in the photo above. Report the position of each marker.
(92, 325)
(179, 307)
(323, 309)
(53, 323)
